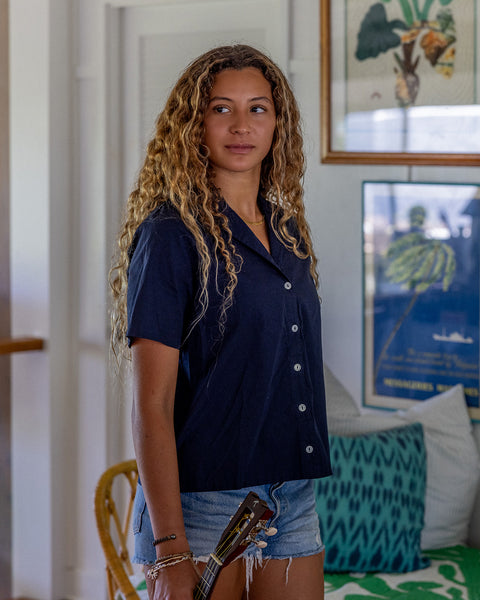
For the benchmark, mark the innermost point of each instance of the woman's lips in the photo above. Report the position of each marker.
(240, 148)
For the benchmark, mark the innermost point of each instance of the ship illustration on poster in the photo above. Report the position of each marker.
(455, 337)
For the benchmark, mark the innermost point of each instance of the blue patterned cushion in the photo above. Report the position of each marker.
(371, 509)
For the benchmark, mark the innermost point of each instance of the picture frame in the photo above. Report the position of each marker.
(407, 95)
(421, 289)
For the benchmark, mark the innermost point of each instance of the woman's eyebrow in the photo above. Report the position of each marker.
(215, 98)
(261, 99)
(225, 99)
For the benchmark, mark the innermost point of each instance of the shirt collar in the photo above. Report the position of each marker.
(243, 234)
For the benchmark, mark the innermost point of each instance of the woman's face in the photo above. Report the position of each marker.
(239, 121)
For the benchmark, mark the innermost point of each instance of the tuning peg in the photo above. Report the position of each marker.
(261, 544)
(270, 531)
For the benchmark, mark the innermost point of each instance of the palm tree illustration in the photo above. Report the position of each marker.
(416, 263)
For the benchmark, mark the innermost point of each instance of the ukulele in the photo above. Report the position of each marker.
(250, 518)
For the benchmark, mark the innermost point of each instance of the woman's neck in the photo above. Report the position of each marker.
(241, 195)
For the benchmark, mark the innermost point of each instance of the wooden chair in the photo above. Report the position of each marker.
(112, 529)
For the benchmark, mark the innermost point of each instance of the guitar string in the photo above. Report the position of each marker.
(204, 584)
(226, 543)
(221, 548)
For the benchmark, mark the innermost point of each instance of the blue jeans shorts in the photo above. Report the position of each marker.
(207, 514)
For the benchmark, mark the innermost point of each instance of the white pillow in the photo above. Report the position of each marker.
(339, 402)
(453, 461)
(474, 539)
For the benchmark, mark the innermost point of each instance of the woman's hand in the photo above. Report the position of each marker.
(174, 583)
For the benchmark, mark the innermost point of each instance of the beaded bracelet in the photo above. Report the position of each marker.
(166, 538)
(168, 561)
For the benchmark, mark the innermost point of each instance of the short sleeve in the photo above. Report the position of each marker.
(161, 281)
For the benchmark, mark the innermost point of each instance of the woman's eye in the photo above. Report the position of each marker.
(258, 109)
(220, 109)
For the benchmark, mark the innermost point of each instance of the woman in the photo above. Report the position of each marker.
(224, 329)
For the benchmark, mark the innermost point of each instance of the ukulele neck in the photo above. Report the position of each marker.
(205, 585)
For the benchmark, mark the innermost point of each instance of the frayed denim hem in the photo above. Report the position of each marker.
(255, 560)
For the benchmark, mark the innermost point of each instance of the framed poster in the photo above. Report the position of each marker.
(400, 81)
(421, 276)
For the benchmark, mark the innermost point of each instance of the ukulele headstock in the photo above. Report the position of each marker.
(250, 518)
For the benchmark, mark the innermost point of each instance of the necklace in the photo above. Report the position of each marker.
(262, 220)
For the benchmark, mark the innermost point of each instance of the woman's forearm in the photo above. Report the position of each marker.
(155, 371)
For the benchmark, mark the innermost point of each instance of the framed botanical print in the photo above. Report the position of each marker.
(400, 81)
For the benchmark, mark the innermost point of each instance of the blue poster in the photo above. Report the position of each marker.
(421, 291)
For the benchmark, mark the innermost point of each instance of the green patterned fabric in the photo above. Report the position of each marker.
(371, 509)
(454, 574)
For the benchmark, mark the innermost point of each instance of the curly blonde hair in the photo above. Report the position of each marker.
(176, 170)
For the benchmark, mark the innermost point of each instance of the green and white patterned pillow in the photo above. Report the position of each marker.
(371, 509)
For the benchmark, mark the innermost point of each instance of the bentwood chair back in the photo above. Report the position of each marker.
(113, 525)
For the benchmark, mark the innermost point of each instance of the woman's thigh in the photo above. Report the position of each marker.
(284, 579)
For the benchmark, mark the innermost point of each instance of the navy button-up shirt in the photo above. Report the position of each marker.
(250, 401)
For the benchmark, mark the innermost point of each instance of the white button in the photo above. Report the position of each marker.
(309, 449)
(287, 285)
(294, 328)
(297, 367)
(302, 407)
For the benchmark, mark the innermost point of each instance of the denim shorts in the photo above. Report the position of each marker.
(207, 514)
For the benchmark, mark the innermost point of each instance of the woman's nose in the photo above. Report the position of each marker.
(240, 124)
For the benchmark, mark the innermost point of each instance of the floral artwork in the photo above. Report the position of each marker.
(426, 32)
(400, 81)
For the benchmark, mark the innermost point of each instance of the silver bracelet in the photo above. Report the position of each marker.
(168, 561)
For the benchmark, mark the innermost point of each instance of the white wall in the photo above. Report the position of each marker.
(59, 431)
(65, 422)
(35, 384)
